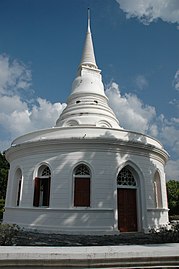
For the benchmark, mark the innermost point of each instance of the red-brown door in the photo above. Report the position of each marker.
(82, 192)
(127, 210)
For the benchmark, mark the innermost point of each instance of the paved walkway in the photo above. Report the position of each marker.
(133, 256)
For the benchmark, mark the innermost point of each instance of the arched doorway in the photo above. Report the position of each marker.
(127, 201)
(82, 177)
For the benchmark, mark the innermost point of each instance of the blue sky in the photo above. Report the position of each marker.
(136, 45)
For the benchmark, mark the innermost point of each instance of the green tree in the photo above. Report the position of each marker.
(173, 196)
(4, 167)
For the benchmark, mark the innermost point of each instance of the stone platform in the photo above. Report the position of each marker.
(124, 256)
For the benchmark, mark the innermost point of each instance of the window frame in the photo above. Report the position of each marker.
(79, 178)
(157, 190)
(18, 186)
(128, 186)
(42, 197)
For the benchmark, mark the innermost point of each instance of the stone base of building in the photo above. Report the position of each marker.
(75, 221)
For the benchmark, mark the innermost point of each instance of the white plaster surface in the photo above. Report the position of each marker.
(123, 251)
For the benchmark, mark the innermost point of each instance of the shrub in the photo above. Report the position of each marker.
(174, 218)
(165, 234)
(8, 233)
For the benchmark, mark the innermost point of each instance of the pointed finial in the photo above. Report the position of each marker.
(88, 57)
(89, 30)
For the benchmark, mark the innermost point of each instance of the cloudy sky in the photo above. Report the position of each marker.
(137, 48)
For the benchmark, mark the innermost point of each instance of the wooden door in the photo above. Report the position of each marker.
(82, 192)
(46, 191)
(41, 185)
(127, 210)
(36, 191)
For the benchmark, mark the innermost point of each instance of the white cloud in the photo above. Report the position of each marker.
(130, 110)
(176, 80)
(169, 132)
(170, 136)
(175, 120)
(148, 11)
(8, 104)
(4, 143)
(141, 82)
(172, 170)
(16, 116)
(154, 130)
(14, 76)
(45, 114)
(134, 115)
(20, 119)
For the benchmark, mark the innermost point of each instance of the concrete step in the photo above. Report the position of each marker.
(133, 256)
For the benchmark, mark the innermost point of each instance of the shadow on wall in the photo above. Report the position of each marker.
(104, 163)
(156, 215)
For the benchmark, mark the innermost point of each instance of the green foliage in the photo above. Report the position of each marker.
(165, 234)
(2, 203)
(8, 233)
(4, 167)
(173, 197)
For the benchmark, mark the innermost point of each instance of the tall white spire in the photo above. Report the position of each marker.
(89, 29)
(88, 57)
(87, 104)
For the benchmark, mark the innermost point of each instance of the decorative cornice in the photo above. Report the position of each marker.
(87, 144)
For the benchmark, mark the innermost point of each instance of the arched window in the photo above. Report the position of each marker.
(157, 190)
(82, 185)
(42, 187)
(126, 178)
(46, 172)
(18, 179)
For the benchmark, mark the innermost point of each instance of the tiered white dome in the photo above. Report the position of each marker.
(88, 105)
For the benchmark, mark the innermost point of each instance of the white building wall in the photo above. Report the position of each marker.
(105, 164)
